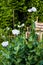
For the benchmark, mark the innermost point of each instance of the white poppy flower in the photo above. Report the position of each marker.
(29, 10)
(15, 32)
(34, 9)
(22, 25)
(19, 26)
(5, 44)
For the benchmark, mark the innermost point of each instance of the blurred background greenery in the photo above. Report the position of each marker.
(21, 15)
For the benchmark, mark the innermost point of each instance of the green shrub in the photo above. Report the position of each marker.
(20, 12)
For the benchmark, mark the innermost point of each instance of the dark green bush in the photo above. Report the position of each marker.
(20, 8)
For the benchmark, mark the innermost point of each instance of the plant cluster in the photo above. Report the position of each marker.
(19, 51)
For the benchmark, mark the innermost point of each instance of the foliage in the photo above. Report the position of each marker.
(20, 8)
(21, 51)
